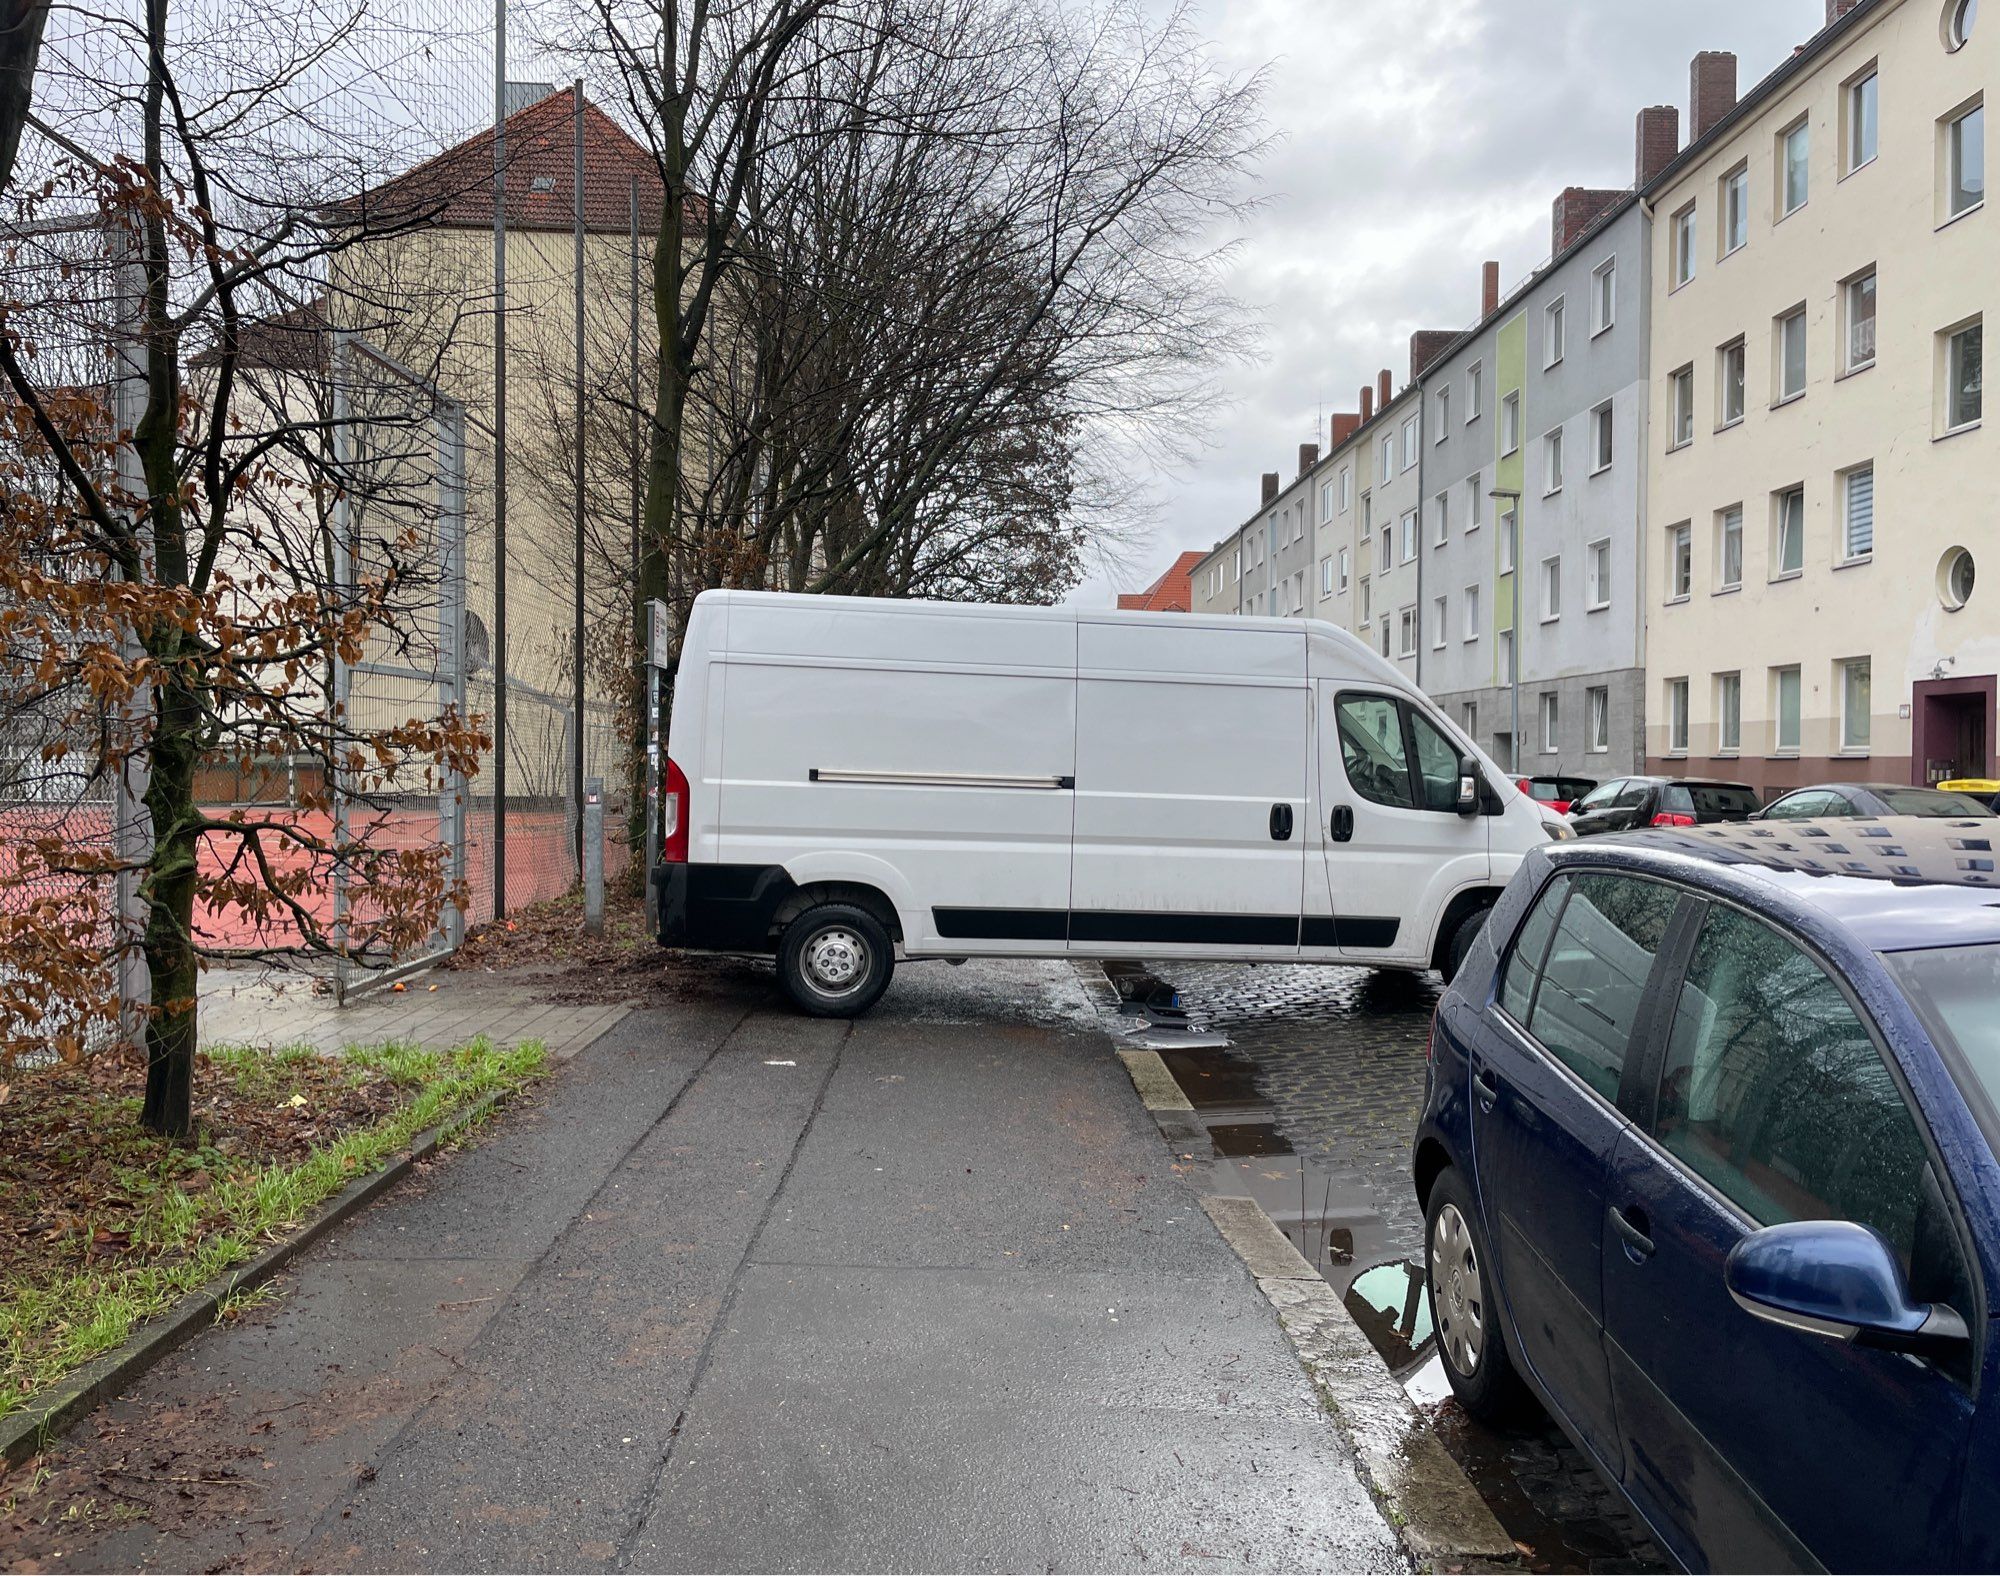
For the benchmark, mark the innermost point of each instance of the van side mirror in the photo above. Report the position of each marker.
(1468, 785)
(1837, 1279)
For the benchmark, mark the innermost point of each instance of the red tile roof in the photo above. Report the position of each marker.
(1173, 592)
(455, 189)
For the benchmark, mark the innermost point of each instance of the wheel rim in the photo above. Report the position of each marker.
(836, 961)
(1458, 1300)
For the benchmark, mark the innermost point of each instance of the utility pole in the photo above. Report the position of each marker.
(576, 718)
(499, 459)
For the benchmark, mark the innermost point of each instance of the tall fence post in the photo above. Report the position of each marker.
(451, 650)
(593, 857)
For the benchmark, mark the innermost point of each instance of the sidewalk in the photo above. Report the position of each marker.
(745, 1290)
(271, 1007)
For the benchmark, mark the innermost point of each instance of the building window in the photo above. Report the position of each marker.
(1597, 574)
(1385, 551)
(1854, 704)
(1443, 518)
(1680, 386)
(1548, 722)
(1858, 107)
(1507, 521)
(1729, 548)
(1326, 576)
(1677, 716)
(1785, 709)
(1729, 361)
(1472, 612)
(1510, 423)
(1473, 495)
(1733, 209)
(1604, 295)
(1409, 536)
(1443, 410)
(1600, 438)
(1409, 443)
(1964, 395)
(1346, 489)
(1552, 589)
(1857, 514)
(1236, 565)
(1683, 235)
(1345, 564)
(1857, 299)
(1473, 396)
(1552, 332)
(1794, 168)
(1388, 458)
(1597, 719)
(1791, 340)
(1385, 635)
(1788, 532)
(1439, 613)
(1728, 713)
(1964, 17)
(1680, 562)
(1552, 461)
(1506, 645)
(1468, 718)
(1367, 601)
(1965, 161)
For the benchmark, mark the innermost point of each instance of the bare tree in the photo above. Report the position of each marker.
(224, 500)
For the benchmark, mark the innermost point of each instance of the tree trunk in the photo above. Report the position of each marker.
(169, 944)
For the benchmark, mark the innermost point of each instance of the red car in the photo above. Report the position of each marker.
(1558, 793)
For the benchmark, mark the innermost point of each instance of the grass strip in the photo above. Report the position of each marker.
(180, 1239)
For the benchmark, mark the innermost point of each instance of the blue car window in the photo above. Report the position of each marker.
(1609, 933)
(1774, 1093)
(1524, 963)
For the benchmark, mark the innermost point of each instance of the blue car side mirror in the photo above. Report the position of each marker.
(1837, 1279)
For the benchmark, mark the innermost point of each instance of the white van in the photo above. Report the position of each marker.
(851, 780)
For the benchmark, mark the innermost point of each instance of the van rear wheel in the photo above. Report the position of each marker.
(834, 960)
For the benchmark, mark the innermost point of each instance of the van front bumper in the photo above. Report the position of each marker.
(718, 908)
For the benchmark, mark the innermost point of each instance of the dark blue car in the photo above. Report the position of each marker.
(1708, 1167)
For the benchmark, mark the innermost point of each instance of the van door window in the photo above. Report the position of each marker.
(1598, 964)
(1437, 764)
(1371, 749)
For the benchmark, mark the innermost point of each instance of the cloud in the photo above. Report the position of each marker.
(1417, 141)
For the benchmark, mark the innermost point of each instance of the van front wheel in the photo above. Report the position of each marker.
(834, 960)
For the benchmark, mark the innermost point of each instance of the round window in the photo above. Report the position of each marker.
(1954, 578)
(1960, 18)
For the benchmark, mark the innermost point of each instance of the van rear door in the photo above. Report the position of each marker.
(1191, 769)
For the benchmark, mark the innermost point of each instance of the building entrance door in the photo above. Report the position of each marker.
(1952, 729)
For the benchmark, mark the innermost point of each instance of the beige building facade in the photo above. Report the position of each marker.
(1821, 484)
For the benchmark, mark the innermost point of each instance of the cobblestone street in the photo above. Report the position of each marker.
(1311, 1107)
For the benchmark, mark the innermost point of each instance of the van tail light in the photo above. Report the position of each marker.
(1672, 818)
(674, 834)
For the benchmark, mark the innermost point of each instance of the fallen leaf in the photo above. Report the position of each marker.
(296, 1101)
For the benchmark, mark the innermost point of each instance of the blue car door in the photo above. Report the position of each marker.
(1751, 1445)
(1545, 1085)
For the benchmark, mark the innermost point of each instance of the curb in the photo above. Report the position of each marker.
(1438, 1515)
(31, 1431)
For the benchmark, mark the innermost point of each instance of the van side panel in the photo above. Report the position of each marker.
(926, 754)
(1191, 752)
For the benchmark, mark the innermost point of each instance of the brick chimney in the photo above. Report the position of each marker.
(1575, 211)
(1426, 345)
(1659, 140)
(1344, 426)
(1385, 389)
(1836, 9)
(1367, 405)
(1489, 289)
(1270, 486)
(1308, 457)
(1711, 91)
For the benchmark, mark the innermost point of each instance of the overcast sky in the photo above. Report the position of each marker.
(1417, 140)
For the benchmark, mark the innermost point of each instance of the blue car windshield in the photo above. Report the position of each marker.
(1956, 991)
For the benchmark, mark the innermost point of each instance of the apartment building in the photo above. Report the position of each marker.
(1820, 482)
(1264, 567)
(1367, 566)
(1533, 483)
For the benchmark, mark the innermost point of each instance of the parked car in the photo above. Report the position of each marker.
(1707, 1162)
(1627, 803)
(1557, 793)
(1826, 800)
(1984, 789)
(850, 781)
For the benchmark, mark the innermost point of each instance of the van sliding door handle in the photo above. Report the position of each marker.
(1281, 823)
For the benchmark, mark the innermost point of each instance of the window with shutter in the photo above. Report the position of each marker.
(1860, 492)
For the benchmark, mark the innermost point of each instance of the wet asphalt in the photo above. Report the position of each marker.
(742, 1290)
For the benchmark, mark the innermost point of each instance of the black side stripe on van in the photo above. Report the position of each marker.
(1225, 930)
